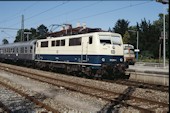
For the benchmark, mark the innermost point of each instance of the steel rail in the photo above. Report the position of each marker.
(83, 92)
(5, 108)
(23, 73)
(113, 100)
(139, 84)
(37, 102)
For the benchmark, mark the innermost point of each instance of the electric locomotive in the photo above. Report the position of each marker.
(129, 55)
(98, 54)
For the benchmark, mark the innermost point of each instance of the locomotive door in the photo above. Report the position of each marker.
(84, 51)
(38, 51)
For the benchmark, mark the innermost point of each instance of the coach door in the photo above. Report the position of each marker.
(86, 46)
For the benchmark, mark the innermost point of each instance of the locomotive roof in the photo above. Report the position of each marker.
(74, 31)
(80, 35)
(31, 42)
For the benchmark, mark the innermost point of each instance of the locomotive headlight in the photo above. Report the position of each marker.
(103, 59)
(121, 60)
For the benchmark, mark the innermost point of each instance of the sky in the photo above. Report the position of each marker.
(95, 14)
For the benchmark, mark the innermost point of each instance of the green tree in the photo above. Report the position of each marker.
(121, 26)
(34, 34)
(159, 25)
(42, 31)
(148, 38)
(149, 34)
(5, 41)
(133, 36)
(126, 38)
(39, 33)
(18, 37)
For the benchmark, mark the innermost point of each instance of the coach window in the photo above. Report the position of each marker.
(17, 50)
(11, 50)
(57, 42)
(90, 40)
(22, 50)
(62, 42)
(25, 49)
(44, 44)
(53, 43)
(30, 49)
(74, 41)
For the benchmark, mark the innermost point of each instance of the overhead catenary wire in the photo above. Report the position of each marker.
(18, 14)
(97, 14)
(46, 10)
(30, 6)
(110, 11)
(41, 12)
(101, 13)
(89, 16)
(9, 28)
(73, 11)
(7, 33)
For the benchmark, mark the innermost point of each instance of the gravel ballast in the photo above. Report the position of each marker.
(69, 101)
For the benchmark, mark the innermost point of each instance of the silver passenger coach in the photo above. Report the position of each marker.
(18, 51)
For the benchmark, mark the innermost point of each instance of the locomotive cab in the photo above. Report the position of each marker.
(111, 48)
(129, 55)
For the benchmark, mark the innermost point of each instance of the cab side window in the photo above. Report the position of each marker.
(90, 40)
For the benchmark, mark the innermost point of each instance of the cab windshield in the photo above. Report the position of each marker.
(110, 39)
(129, 51)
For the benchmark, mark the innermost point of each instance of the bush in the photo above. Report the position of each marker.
(147, 55)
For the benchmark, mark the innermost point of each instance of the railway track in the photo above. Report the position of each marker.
(4, 108)
(124, 99)
(14, 100)
(138, 84)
